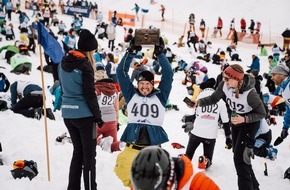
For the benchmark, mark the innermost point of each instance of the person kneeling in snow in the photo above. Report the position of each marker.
(263, 139)
(109, 105)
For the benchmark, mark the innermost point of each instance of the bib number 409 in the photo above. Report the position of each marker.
(145, 110)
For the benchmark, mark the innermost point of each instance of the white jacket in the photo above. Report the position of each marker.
(206, 122)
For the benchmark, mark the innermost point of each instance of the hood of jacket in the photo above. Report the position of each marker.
(248, 83)
(73, 60)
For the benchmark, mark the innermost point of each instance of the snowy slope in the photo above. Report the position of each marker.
(24, 138)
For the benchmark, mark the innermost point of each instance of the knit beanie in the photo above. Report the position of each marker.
(87, 41)
(209, 83)
(146, 76)
(281, 69)
(236, 75)
(100, 73)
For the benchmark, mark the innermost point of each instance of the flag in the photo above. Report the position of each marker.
(50, 45)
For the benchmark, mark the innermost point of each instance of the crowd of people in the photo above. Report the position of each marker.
(90, 81)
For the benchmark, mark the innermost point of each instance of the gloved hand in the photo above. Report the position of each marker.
(188, 118)
(159, 48)
(99, 122)
(248, 154)
(188, 126)
(229, 143)
(134, 48)
(284, 133)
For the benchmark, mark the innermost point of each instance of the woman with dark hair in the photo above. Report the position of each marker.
(247, 110)
(111, 69)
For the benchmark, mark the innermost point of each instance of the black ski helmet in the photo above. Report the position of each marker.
(287, 173)
(152, 169)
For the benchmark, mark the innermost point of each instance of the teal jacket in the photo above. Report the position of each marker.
(156, 134)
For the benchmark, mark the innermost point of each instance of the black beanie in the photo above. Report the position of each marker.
(209, 83)
(87, 41)
(146, 76)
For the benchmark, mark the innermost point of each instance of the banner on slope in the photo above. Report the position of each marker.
(127, 19)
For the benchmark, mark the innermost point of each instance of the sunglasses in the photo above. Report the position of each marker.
(177, 145)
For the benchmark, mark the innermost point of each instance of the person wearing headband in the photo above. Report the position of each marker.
(237, 88)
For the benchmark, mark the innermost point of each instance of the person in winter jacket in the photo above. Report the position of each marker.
(114, 18)
(9, 8)
(232, 29)
(202, 47)
(202, 27)
(252, 26)
(280, 76)
(26, 99)
(154, 169)
(276, 50)
(204, 127)
(46, 16)
(247, 109)
(70, 39)
(220, 26)
(191, 21)
(258, 28)
(263, 51)
(10, 51)
(192, 38)
(80, 109)
(111, 33)
(109, 106)
(255, 66)
(146, 108)
(20, 64)
(162, 9)
(263, 138)
(61, 27)
(234, 37)
(77, 23)
(111, 68)
(136, 8)
(243, 25)
(234, 55)
(9, 32)
(270, 84)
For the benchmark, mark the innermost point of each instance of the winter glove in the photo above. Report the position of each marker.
(188, 118)
(188, 126)
(134, 48)
(99, 122)
(247, 155)
(284, 133)
(159, 48)
(229, 143)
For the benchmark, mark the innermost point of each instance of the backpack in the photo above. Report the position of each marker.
(196, 38)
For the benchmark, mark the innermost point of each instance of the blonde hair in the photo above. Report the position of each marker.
(239, 69)
(89, 55)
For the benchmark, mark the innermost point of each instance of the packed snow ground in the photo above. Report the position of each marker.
(24, 138)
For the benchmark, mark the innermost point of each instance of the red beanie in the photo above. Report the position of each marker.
(232, 73)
